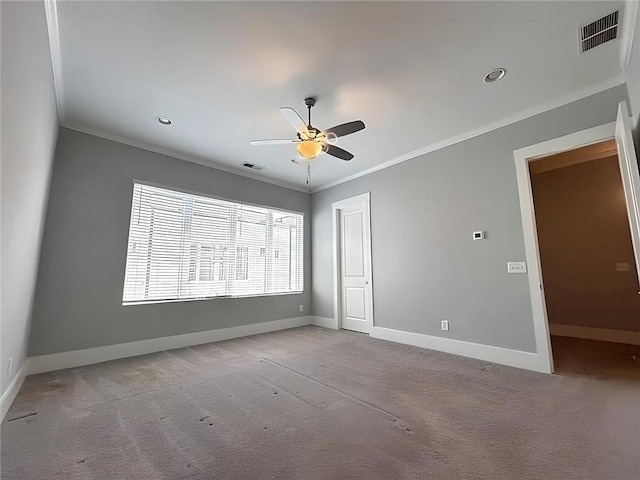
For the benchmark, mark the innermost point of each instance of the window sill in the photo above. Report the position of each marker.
(198, 299)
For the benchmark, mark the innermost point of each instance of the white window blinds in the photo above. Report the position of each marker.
(184, 246)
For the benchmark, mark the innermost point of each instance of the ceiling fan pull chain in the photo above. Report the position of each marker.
(308, 173)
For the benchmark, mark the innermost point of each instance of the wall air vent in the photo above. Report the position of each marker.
(599, 32)
(253, 166)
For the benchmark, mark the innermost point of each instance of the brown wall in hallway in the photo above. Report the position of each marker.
(583, 233)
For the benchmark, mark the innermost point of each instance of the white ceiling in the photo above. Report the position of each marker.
(411, 71)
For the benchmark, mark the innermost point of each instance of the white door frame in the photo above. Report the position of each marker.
(522, 158)
(337, 282)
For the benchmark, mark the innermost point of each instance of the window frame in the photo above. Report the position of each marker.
(180, 190)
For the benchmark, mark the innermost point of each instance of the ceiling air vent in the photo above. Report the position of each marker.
(253, 166)
(599, 32)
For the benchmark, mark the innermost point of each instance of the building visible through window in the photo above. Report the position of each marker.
(242, 263)
(184, 246)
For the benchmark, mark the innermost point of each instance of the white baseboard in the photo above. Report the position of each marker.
(503, 356)
(325, 322)
(9, 395)
(78, 358)
(591, 333)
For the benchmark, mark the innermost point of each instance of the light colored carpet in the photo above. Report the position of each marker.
(312, 403)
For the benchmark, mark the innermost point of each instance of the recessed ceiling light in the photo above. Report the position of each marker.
(164, 120)
(495, 75)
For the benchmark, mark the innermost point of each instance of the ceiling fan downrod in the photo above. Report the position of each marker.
(309, 102)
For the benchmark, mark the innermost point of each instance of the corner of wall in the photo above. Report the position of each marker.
(30, 126)
(9, 395)
(324, 322)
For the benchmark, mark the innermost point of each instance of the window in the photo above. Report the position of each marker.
(210, 263)
(184, 246)
(242, 263)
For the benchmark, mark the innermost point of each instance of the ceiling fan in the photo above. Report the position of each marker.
(310, 141)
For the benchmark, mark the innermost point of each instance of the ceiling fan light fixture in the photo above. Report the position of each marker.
(309, 149)
(331, 138)
(310, 141)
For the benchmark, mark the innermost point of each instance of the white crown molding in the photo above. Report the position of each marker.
(9, 395)
(51, 12)
(629, 21)
(631, 8)
(187, 158)
(79, 358)
(504, 356)
(522, 115)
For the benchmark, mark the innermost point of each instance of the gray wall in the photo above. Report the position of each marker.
(29, 129)
(79, 294)
(426, 267)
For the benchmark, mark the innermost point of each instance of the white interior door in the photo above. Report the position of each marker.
(630, 177)
(355, 266)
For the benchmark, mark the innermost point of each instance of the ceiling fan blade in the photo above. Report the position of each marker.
(272, 142)
(294, 119)
(346, 128)
(338, 152)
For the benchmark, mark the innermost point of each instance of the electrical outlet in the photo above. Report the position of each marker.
(444, 325)
(10, 364)
(516, 267)
(301, 308)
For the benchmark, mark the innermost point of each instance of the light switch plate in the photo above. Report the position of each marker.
(516, 267)
(444, 325)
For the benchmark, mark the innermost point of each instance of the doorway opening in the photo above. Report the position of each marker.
(581, 222)
(586, 255)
